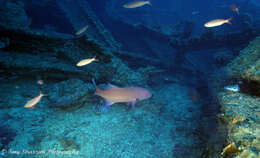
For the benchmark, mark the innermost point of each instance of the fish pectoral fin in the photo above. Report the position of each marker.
(133, 104)
(108, 103)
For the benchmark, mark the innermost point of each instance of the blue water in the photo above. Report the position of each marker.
(163, 48)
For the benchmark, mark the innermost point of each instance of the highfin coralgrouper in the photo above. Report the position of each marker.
(113, 94)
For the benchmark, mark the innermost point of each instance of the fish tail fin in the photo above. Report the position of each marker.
(95, 57)
(94, 84)
(228, 20)
(149, 3)
(43, 94)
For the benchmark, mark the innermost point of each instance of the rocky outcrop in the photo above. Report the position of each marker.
(33, 53)
(210, 40)
(247, 65)
(240, 110)
(70, 94)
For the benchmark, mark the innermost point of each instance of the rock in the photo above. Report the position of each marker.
(247, 64)
(79, 14)
(223, 57)
(4, 42)
(68, 144)
(54, 56)
(13, 15)
(6, 135)
(69, 94)
(240, 110)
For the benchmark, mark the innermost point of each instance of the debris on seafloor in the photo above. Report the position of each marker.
(230, 149)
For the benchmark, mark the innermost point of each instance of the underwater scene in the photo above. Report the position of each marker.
(130, 79)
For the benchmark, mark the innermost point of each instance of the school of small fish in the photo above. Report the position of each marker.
(113, 94)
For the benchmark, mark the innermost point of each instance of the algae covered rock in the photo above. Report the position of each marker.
(124, 75)
(240, 110)
(247, 64)
(69, 94)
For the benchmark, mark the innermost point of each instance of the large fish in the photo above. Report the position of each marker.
(217, 22)
(136, 4)
(113, 94)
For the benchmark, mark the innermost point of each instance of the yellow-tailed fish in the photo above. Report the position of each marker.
(31, 103)
(136, 4)
(82, 30)
(86, 61)
(217, 22)
(113, 94)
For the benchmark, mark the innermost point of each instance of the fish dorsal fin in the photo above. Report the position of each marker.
(108, 86)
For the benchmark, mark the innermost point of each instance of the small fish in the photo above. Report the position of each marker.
(113, 94)
(195, 12)
(217, 22)
(31, 103)
(82, 30)
(136, 4)
(86, 61)
(232, 88)
(235, 9)
(40, 82)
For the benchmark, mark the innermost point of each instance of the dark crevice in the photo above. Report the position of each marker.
(250, 87)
